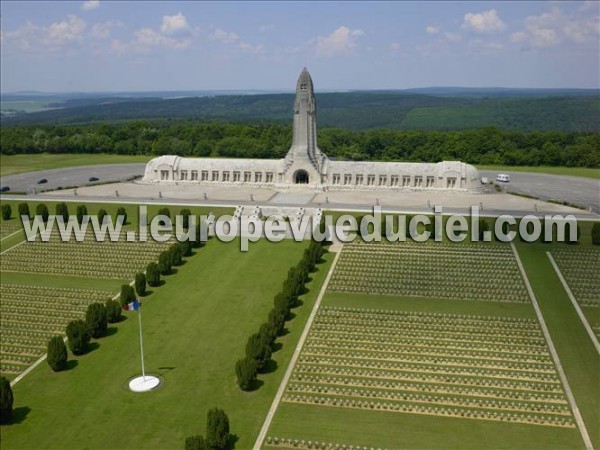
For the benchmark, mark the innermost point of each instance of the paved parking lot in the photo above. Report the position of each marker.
(70, 177)
(575, 190)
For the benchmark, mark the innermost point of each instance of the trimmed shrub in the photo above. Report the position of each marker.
(113, 311)
(97, 320)
(267, 333)
(42, 210)
(140, 284)
(245, 372)
(185, 216)
(164, 212)
(277, 320)
(78, 336)
(57, 354)
(596, 233)
(81, 211)
(6, 211)
(176, 254)
(62, 210)
(258, 349)
(186, 247)
(24, 210)
(122, 212)
(101, 215)
(153, 274)
(165, 262)
(196, 442)
(127, 294)
(6, 400)
(217, 429)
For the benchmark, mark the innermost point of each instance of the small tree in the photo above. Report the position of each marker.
(24, 210)
(153, 274)
(164, 212)
(268, 333)
(245, 371)
(42, 211)
(185, 214)
(484, 226)
(6, 400)
(217, 429)
(140, 284)
(277, 320)
(6, 211)
(196, 442)
(113, 311)
(81, 211)
(176, 254)
(78, 336)
(186, 247)
(122, 212)
(258, 349)
(165, 262)
(62, 211)
(97, 320)
(596, 233)
(57, 354)
(127, 294)
(101, 215)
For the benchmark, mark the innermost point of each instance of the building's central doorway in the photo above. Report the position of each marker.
(301, 177)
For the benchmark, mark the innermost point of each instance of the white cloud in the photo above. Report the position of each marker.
(265, 28)
(90, 4)
(224, 37)
(102, 30)
(483, 22)
(432, 30)
(232, 39)
(174, 24)
(146, 38)
(341, 41)
(395, 46)
(452, 37)
(551, 28)
(32, 37)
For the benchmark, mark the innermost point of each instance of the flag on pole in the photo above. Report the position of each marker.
(133, 306)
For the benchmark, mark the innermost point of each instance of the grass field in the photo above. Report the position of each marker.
(195, 328)
(11, 164)
(570, 171)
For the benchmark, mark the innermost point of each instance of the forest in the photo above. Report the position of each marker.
(486, 145)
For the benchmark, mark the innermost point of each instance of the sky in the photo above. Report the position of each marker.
(91, 46)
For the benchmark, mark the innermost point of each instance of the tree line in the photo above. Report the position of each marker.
(486, 145)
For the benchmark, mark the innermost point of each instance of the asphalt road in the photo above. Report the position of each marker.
(70, 177)
(575, 190)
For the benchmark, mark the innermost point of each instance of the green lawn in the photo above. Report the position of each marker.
(10, 164)
(575, 349)
(195, 328)
(571, 171)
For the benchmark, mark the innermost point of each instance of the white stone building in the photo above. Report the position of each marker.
(305, 164)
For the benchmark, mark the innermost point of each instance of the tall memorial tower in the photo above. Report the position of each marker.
(304, 162)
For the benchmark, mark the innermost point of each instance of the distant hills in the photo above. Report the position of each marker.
(434, 108)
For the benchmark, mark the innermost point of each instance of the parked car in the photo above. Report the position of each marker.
(42, 181)
(92, 179)
(4, 189)
(503, 178)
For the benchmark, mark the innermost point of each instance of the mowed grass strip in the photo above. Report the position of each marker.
(575, 349)
(195, 328)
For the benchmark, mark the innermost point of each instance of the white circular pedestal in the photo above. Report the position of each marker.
(143, 384)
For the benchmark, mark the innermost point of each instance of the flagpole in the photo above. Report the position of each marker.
(141, 342)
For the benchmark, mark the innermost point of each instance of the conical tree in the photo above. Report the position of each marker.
(57, 354)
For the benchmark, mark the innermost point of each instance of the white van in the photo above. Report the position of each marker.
(503, 178)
